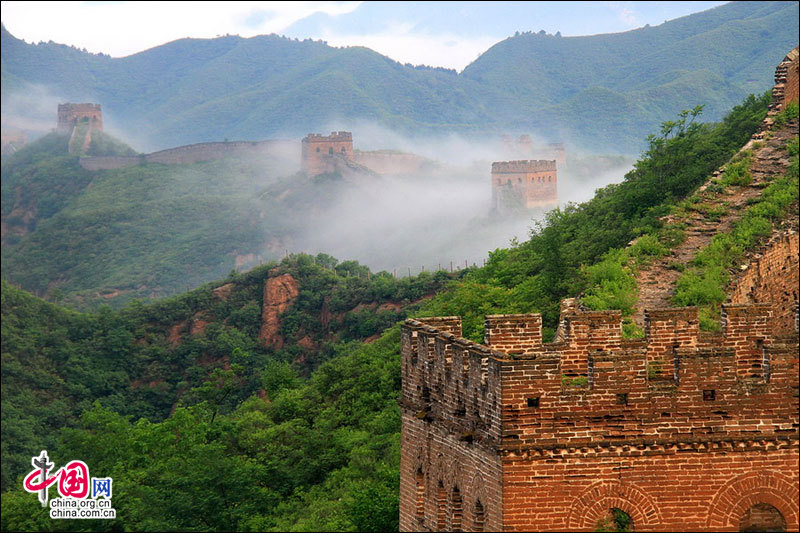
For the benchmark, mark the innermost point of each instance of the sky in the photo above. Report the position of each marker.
(441, 34)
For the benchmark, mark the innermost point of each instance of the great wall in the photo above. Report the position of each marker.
(530, 184)
(682, 430)
(79, 121)
(318, 154)
(189, 154)
(526, 183)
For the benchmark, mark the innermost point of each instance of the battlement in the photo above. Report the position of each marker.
(322, 153)
(525, 183)
(785, 89)
(515, 390)
(70, 114)
(335, 136)
(516, 167)
(680, 430)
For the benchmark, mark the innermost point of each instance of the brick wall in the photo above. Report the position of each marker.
(391, 163)
(319, 153)
(529, 183)
(451, 425)
(772, 276)
(701, 486)
(192, 153)
(786, 81)
(679, 430)
(70, 114)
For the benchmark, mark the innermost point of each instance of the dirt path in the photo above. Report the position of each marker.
(656, 282)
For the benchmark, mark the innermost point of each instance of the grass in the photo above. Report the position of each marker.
(704, 283)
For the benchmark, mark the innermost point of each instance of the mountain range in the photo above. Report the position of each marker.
(601, 92)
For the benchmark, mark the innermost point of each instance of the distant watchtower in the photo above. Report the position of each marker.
(321, 152)
(529, 184)
(69, 115)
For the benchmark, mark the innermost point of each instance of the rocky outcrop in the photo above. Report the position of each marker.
(223, 292)
(279, 294)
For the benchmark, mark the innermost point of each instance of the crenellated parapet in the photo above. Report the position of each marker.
(594, 386)
(450, 379)
(335, 136)
(71, 114)
(321, 153)
(527, 183)
(515, 167)
(785, 89)
(681, 430)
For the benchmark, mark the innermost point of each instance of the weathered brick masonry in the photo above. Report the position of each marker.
(786, 81)
(192, 153)
(682, 431)
(532, 184)
(320, 153)
(70, 114)
(773, 276)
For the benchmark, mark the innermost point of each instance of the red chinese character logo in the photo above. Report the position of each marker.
(35, 486)
(74, 480)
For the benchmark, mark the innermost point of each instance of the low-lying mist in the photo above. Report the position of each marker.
(261, 207)
(438, 217)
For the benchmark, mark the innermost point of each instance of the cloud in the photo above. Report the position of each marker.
(124, 28)
(627, 16)
(401, 43)
(624, 13)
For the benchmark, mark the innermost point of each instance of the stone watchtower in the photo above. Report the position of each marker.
(679, 431)
(321, 153)
(69, 115)
(529, 184)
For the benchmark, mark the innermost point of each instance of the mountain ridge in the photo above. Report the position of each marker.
(268, 86)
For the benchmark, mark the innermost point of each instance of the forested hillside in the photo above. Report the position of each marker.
(534, 83)
(202, 427)
(143, 231)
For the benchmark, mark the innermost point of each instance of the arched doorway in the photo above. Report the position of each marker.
(762, 517)
(615, 520)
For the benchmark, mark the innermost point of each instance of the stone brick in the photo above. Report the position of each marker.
(70, 114)
(534, 436)
(320, 153)
(533, 184)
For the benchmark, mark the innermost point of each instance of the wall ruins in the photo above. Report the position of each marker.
(320, 153)
(528, 184)
(681, 431)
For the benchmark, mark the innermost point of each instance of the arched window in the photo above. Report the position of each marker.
(456, 510)
(317, 149)
(762, 517)
(615, 520)
(420, 494)
(479, 517)
(441, 508)
(343, 150)
(330, 150)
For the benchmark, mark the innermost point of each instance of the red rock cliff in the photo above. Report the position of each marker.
(279, 293)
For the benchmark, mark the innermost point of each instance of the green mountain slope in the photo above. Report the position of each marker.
(200, 90)
(186, 412)
(138, 232)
